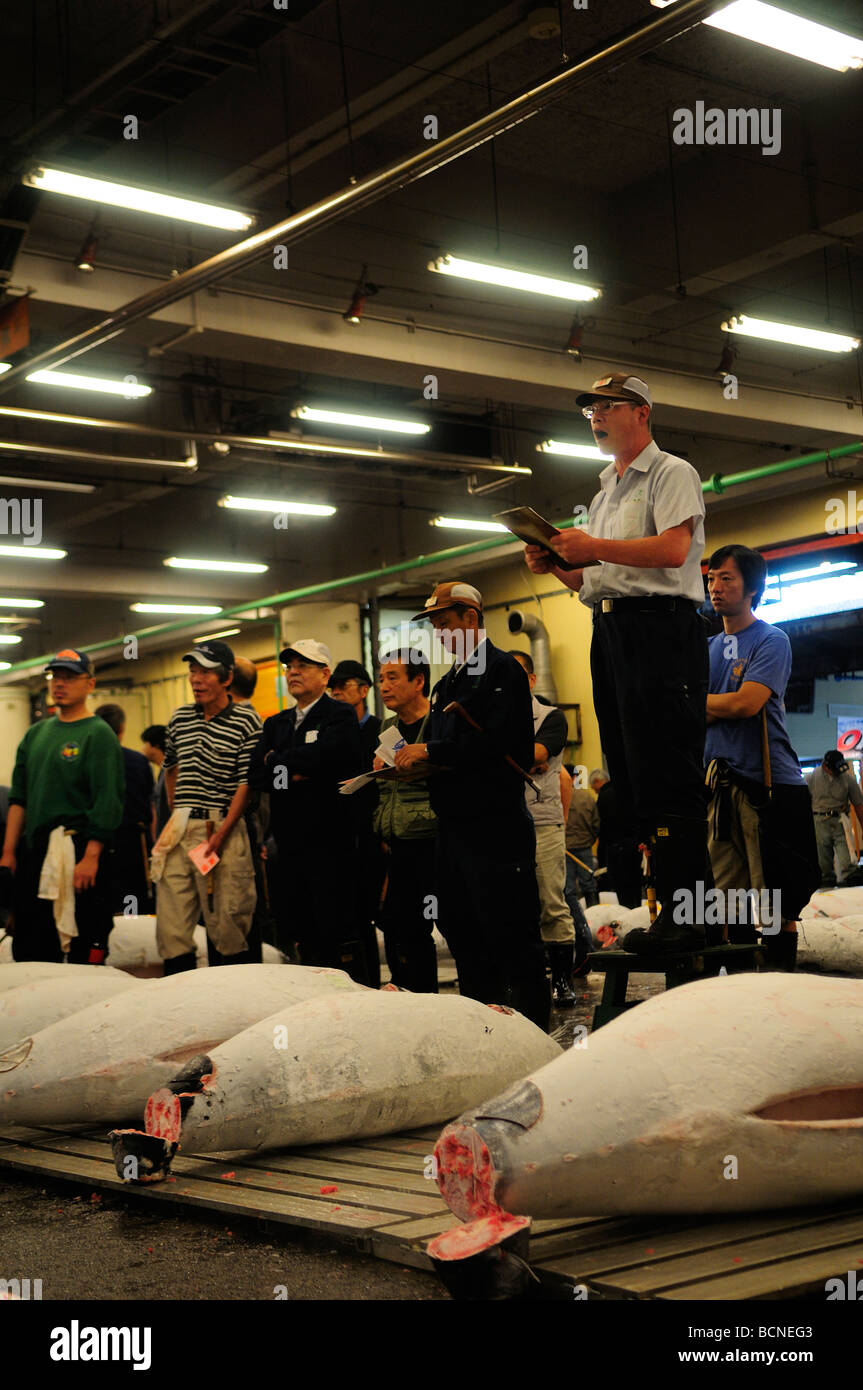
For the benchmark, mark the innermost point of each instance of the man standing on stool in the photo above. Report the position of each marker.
(68, 777)
(488, 905)
(208, 746)
(638, 566)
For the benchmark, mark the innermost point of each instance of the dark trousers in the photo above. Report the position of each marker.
(317, 902)
(623, 861)
(35, 935)
(650, 675)
(488, 911)
(371, 870)
(125, 866)
(408, 915)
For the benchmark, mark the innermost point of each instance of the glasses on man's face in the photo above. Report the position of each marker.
(600, 407)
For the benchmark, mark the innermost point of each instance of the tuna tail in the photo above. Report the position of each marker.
(141, 1157)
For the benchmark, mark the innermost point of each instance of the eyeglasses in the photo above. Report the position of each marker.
(588, 411)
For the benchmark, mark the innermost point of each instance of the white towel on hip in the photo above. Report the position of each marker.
(172, 834)
(56, 883)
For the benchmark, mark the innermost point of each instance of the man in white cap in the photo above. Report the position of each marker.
(208, 745)
(637, 565)
(303, 755)
(488, 903)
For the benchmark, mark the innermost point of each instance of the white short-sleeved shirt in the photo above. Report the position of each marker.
(657, 491)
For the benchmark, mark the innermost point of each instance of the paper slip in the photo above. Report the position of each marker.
(391, 742)
(354, 784)
(202, 860)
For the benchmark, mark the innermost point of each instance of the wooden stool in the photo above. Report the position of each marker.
(678, 969)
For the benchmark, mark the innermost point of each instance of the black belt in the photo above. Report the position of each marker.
(828, 813)
(204, 812)
(646, 604)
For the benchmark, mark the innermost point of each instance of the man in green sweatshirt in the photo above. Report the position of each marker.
(68, 773)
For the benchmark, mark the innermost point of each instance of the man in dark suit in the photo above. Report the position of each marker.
(130, 888)
(303, 754)
(488, 903)
(350, 683)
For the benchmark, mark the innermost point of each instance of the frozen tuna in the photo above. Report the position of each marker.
(831, 943)
(31, 1007)
(26, 972)
(735, 1093)
(344, 1066)
(101, 1064)
(132, 946)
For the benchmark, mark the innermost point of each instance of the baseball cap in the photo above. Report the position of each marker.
(835, 760)
(211, 654)
(309, 650)
(617, 387)
(350, 671)
(70, 660)
(447, 595)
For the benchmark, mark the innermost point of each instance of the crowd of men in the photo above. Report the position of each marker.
(457, 810)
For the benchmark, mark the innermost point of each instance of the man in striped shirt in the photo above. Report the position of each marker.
(208, 745)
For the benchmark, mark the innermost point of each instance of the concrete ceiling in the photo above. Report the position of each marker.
(241, 103)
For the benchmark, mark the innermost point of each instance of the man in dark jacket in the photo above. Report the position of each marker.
(128, 872)
(488, 904)
(350, 684)
(303, 754)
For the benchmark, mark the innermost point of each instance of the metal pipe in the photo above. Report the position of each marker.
(717, 484)
(313, 447)
(14, 446)
(631, 44)
(540, 650)
(438, 557)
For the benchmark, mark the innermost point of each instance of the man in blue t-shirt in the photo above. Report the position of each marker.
(750, 662)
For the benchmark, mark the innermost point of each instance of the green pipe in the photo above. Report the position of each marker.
(717, 485)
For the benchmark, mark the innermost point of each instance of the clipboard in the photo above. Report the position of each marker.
(533, 529)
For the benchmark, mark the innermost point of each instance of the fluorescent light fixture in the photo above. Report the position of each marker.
(819, 571)
(9, 639)
(790, 333)
(121, 195)
(211, 636)
(513, 279)
(193, 608)
(178, 562)
(268, 504)
(788, 33)
(106, 385)
(32, 552)
(40, 484)
(466, 523)
(363, 422)
(22, 603)
(5, 665)
(574, 451)
(815, 597)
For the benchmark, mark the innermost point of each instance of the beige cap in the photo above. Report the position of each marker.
(448, 595)
(309, 650)
(617, 387)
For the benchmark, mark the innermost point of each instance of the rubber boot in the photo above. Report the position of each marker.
(560, 958)
(680, 862)
(780, 950)
(176, 964)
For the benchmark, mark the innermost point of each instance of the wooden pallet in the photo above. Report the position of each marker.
(385, 1206)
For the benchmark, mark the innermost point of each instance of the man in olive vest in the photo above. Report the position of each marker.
(407, 825)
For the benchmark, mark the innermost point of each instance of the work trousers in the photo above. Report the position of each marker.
(35, 932)
(581, 881)
(830, 838)
(555, 920)
(224, 899)
(623, 862)
(650, 674)
(408, 915)
(572, 891)
(488, 911)
(129, 887)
